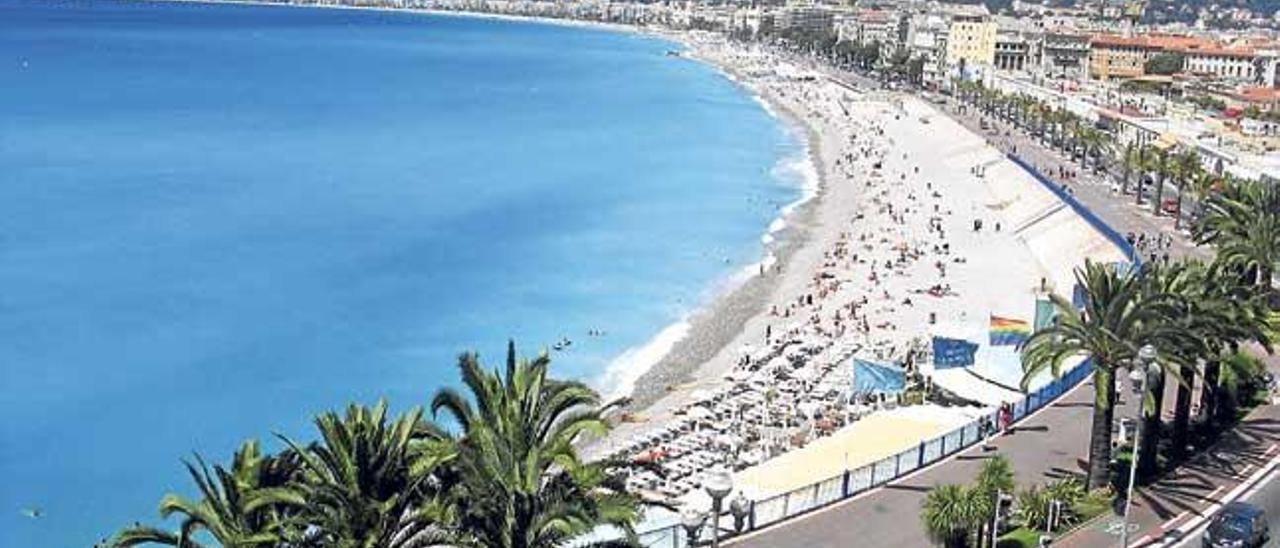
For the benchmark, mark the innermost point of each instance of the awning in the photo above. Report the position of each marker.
(1165, 142)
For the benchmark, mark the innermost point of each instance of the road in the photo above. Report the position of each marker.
(1267, 497)
(1052, 443)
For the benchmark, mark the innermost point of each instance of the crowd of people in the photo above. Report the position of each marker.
(881, 279)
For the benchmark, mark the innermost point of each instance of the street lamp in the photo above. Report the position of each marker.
(718, 484)
(1001, 499)
(692, 521)
(1141, 374)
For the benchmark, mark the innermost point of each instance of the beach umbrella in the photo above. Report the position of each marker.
(700, 413)
(700, 395)
(809, 408)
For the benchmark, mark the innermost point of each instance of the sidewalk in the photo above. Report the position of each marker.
(1095, 192)
(1054, 442)
(1196, 487)
(1046, 446)
(1193, 489)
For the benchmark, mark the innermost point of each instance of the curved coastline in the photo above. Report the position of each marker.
(712, 326)
(675, 355)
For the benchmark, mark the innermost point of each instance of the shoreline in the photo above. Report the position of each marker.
(710, 327)
(316, 4)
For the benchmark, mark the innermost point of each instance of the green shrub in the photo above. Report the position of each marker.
(1033, 504)
(1019, 538)
(1033, 508)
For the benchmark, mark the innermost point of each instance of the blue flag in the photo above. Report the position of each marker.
(1078, 297)
(948, 353)
(874, 378)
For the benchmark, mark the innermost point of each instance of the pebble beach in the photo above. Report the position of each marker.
(918, 228)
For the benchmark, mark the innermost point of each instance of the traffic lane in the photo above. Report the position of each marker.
(1267, 497)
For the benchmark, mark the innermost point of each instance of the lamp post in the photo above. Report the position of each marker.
(718, 484)
(1001, 498)
(1140, 374)
(692, 521)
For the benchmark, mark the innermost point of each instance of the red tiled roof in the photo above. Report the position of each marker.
(1259, 95)
(1171, 42)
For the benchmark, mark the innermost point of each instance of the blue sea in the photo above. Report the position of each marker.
(218, 220)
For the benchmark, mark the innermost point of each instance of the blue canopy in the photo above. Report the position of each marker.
(874, 378)
(948, 353)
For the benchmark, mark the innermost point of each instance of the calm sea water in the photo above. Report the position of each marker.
(216, 221)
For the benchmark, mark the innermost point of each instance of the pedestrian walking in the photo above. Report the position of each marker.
(1005, 417)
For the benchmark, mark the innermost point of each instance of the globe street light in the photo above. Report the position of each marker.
(692, 521)
(719, 484)
(1145, 368)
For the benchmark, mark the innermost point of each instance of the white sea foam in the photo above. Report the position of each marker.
(796, 170)
(620, 376)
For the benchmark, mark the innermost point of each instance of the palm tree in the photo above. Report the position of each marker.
(369, 482)
(1236, 371)
(1160, 163)
(1187, 168)
(1093, 142)
(1118, 318)
(994, 478)
(520, 482)
(1200, 189)
(1222, 312)
(1143, 163)
(246, 506)
(1130, 160)
(952, 514)
(1243, 223)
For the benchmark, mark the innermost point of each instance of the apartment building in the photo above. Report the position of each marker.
(971, 41)
(1220, 62)
(813, 19)
(1064, 54)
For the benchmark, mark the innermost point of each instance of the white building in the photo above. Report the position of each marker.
(1220, 62)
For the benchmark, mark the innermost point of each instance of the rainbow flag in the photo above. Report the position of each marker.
(1008, 331)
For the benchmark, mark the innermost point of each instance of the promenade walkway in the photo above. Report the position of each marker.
(1043, 447)
(1052, 443)
(1195, 488)
(1046, 446)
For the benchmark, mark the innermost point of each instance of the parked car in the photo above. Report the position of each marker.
(1238, 525)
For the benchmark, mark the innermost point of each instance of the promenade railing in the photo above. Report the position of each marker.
(859, 480)
(853, 482)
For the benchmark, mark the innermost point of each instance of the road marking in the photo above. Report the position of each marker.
(1244, 471)
(1186, 533)
(1116, 526)
(1141, 540)
(1180, 515)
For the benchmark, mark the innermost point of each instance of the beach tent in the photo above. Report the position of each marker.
(873, 378)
